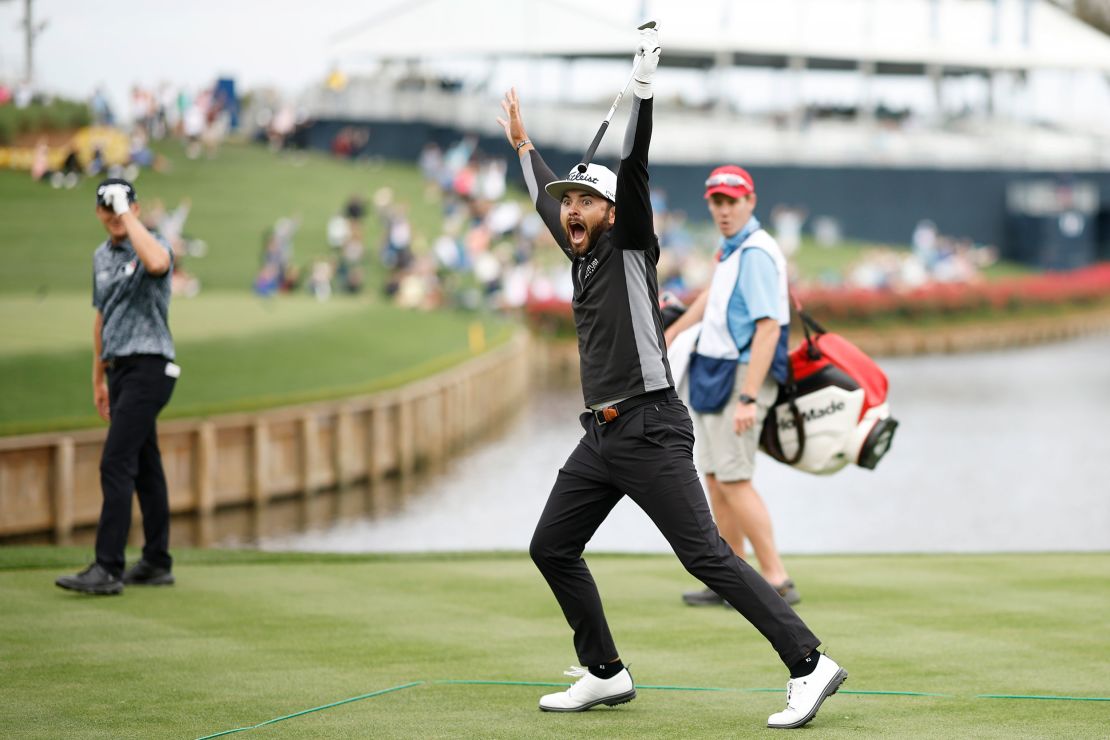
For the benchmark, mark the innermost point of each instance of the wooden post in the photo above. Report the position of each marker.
(63, 490)
(310, 432)
(375, 432)
(205, 474)
(406, 437)
(440, 419)
(343, 421)
(376, 436)
(451, 416)
(260, 463)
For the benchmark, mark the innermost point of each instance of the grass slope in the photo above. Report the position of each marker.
(247, 637)
(264, 353)
(50, 235)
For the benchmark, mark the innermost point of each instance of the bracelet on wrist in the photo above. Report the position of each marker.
(521, 144)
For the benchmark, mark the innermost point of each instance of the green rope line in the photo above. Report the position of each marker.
(1046, 698)
(464, 682)
(314, 709)
(893, 693)
(858, 692)
(695, 688)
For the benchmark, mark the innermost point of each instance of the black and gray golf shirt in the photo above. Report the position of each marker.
(621, 348)
(134, 304)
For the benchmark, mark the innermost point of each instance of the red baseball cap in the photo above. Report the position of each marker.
(730, 180)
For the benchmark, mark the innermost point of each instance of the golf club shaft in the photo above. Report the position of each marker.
(613, 109)
(605, 124)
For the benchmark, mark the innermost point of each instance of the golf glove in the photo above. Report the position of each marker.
(116, 198)
(649, 49)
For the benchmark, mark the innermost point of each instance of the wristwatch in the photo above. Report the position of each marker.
(746, 399)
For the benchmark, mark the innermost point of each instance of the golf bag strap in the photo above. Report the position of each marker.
(791, 387)
(808, 324)
(791, 391)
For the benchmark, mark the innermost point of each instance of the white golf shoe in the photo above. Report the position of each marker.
(804, 695)
(589, 691)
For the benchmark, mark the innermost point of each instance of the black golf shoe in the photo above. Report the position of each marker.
(788, 591)
(706, 597)
(92, 580)
(143, 573)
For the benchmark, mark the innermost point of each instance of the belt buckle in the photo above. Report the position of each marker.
(606, 415)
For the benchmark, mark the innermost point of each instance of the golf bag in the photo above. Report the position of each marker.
(833, 409)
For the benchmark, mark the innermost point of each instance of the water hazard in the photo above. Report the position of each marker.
(1001, 451)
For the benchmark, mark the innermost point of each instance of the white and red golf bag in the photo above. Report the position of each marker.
(835, 412)
(832, 411)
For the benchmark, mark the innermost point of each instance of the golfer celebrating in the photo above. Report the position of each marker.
(638, 437)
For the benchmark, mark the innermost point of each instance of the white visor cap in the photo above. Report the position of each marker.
(596, 179)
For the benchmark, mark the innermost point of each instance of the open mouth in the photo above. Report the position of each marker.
(576, 231)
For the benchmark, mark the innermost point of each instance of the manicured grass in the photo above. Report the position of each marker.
(238, 353)
(248, 637)
(61, 322)
(50, 235)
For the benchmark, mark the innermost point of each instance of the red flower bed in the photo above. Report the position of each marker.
(1081, 287)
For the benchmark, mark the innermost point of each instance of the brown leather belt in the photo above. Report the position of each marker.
(610, 413)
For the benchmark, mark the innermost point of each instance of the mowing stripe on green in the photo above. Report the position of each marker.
(314, 709)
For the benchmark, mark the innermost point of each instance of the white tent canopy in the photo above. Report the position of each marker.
(892, 35)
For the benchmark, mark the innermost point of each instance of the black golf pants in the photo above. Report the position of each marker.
(647, 454)
(138, 388)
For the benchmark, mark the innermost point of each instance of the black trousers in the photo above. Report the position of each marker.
(138, 388)
(647, 454)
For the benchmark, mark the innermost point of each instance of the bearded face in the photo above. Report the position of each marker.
(585, 217)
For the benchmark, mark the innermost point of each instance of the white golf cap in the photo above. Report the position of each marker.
(596, 179)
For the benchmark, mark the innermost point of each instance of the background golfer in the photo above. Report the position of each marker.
(133, 376)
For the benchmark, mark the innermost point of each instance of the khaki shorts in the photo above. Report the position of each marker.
(720, 450)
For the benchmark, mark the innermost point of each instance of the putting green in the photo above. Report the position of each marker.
(439, 646)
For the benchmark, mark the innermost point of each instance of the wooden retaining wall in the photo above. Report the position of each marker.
(50, 483)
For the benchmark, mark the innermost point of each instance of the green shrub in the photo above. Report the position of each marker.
(7, 125)
(57, 115)
(29, 119)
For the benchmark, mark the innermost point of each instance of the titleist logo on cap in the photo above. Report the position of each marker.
(582, 177)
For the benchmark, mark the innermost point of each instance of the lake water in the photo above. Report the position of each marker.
(1001, 451)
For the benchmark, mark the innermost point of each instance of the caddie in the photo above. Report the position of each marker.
(741, 357)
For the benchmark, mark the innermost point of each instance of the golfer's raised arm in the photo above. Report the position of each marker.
(536, 172)
(634, 218)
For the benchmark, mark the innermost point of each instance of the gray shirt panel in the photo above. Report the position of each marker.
(134, 304)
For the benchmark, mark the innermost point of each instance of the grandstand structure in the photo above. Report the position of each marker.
(918, 108)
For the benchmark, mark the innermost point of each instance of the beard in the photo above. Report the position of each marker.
(591, 241)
